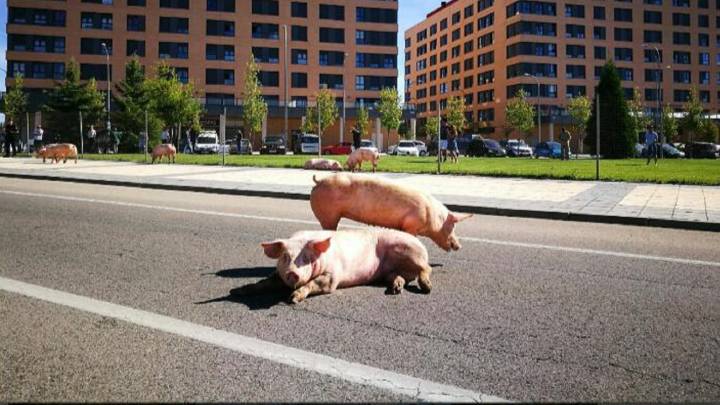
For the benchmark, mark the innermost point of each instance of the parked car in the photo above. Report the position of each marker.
(406, 148)
(668, 151)
(343, 148)
(422, 149)
(701, 150)
(274, 144)
(485, 147)
(245, 147)
(207, 142)
(516, 148)
(310, 144)
(368, 144)
(548, 149)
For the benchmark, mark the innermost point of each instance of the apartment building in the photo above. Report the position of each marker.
(485, 51)
(348, 46)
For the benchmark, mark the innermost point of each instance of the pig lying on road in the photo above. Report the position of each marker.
(57, 151)
(323, 164)
(161, 150)
(382, 203)
(319, 262)
(360, 155)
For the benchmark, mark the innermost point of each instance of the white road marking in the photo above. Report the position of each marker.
(416, 388)
(305, 222)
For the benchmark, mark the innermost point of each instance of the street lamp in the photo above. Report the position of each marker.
(107, 60)
(342, 126)
(658, 78)
(287, 56)
(538, 105)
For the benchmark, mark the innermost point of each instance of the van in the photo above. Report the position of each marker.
(207, 142)
(310, 143)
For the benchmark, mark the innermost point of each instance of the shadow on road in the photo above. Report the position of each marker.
(253, 302)
(247, 272)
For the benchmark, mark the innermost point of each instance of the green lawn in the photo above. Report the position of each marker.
(696, 171)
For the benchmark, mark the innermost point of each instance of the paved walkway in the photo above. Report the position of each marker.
(664, 205)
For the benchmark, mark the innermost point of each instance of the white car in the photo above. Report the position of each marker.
(207, 142)
(368, 144)
(310, 143)
(406, 148)
(422, 149)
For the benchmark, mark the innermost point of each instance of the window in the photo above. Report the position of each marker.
(531, 28)
(184, 4)
(575, 10)
(456, 18)
(443, 24)
(136, 23)
(468, 64)
(468, 11)
(298, 10)
(221, 5)
(36, 16)
(599, 33)
(96, 21)
(220, 28)
(138, 3)
(94, 46)
(220, 76)
(680, 57)
(623, 34)
(600, 52)
(624, 54)
(681, 96)
(535, 69)
(625, 74)
(468, 29)
(94, 71)
(623, 14)
(379, 38)
(486, 96)
(703, 21)
(486, 77)
(174, 25)
(653, 75)
(703, 40)
(681, 3)
(704, 58)
(485, 40)
(652, 37)
(599, 13)
(682, 76)
(332, 35)
(704, 77)
(681, 19)
(575, 71)
(486, 21)
(456, 35)
(375, 83)
(135, 47)
(574, 31)
(332, 58)
(298, 33)
(651, 56)
(575, 91)
(484, 4)
(36, 43)
(546, 90)
(468, 47)
(380, 15)
(175, 50)
(531, 48)
(265, 54)
(332, 12)
(575, 51)
(265, 7)
(486, 58)
(182, 74)
(486, 114)
(298, 80)
(652, 17)
(531, 7)
(265, 31)
(219, 99)
(299, 57)
(681, 38)
(221, 52)
(105, 2)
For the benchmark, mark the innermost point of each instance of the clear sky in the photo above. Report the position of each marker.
(411, 12)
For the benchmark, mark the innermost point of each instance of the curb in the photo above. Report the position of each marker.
(504, 212)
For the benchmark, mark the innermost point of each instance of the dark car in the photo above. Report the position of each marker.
(485, 147)
(548, 149)
(668, 151)
(273, 145)
(701, 150)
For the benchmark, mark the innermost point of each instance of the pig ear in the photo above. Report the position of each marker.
(274, 249)
(455, 218)
(320, 246)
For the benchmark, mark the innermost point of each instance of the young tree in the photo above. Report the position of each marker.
(15, 102)
(133, 101)
(709, 132)
(668, 124)
(692, 123)
(363, 121)
(456, 113)
(328, 112)
(432, 126)
(389, 110)
(638, 120)
(579, 110)
(617, 135)
(519, 114)
(66, 100)
(255, 108)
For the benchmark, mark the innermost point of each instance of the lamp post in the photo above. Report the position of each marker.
(285, 65)
(319, 124)
(342, 123)
(658, 78)
(538, 105)
(107, 62)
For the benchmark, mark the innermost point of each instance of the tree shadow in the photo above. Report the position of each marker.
(247, 272)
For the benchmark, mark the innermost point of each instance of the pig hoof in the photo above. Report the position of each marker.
(396, 286)
(296, 298)
(425, 286)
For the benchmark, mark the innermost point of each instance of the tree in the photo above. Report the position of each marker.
(638, 120)
(67, 99)
(455, 113)
(617, 137)
(172, 101)
(389, 110)
(692, 123)
(668, 124)
(519, 114)
(432, 126)
(15, 101)
(363, 121)
(709, 132)
(133, 101)
(579, 109)
(403, 130)
(328, 112)
(255, 108)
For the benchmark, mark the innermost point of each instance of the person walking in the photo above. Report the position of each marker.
(11, 135)
(165, 136)
(92, 138)
(444, 131)
(565, 138)
(38, 137)
(188, 142)
(356, 136)
(651, 145)
(452, 147)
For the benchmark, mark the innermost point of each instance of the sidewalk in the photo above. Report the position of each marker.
(690, 207)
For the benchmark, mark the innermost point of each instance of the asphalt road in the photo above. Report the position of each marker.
(528, 310)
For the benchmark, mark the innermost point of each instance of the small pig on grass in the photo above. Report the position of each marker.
(319, 262)
(358, 156)
(57, 151)
(162, 150)
(382, 203)
(323, 164)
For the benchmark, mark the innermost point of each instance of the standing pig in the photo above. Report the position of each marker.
(164, 149)
(360, 155)
(57, 151)
(382, 203)
(323, 164)
(319, 262)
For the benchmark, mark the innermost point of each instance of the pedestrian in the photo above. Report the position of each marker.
(356, 134)
(11, 135)
(165, 136)
(452, 147)
(38, 137)
(141, 142)
(651, 146)
(443, 138)
(565, 138)
(92, 138)
(188, 143)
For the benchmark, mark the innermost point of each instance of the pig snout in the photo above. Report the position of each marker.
(454, 243)
(292, 278)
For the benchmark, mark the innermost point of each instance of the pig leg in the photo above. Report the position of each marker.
(321, 284)
(272, 283)
(396, 284)
(424, 279)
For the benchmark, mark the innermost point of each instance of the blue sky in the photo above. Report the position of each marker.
(411, 12)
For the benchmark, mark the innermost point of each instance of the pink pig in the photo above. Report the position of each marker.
(358, 156)
(382, 203)
(319, 262)
(162, 150)
(323, 164)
